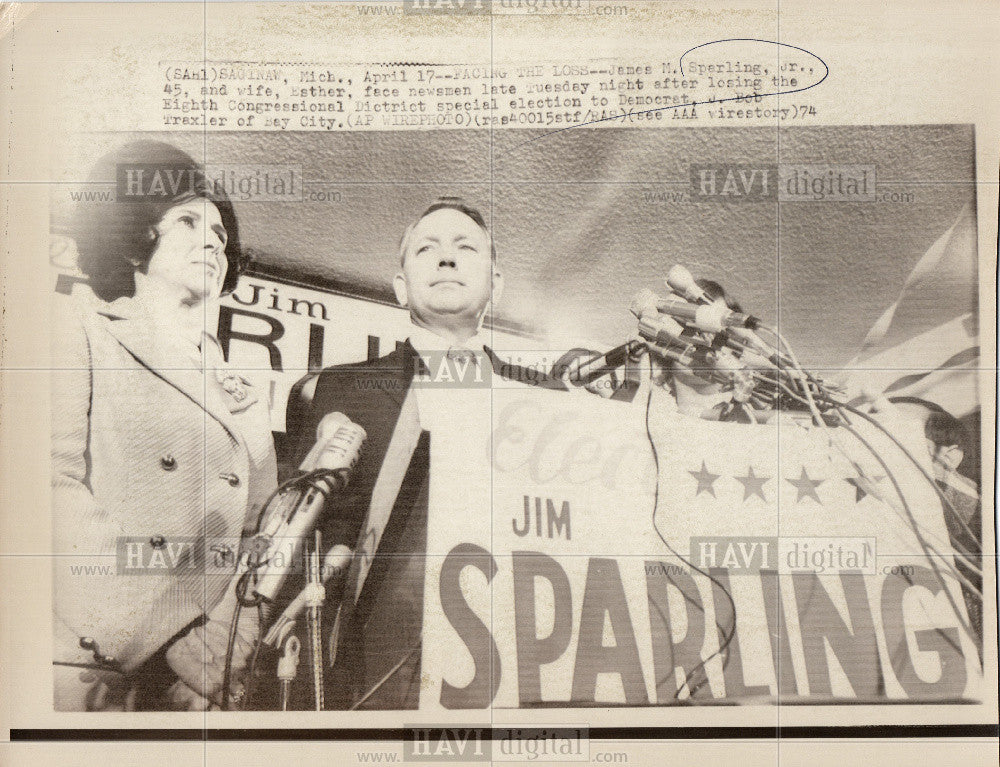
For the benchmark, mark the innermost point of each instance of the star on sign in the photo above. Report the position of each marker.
(863, 484)
(753, 485)
(705, 479)
(806, 487)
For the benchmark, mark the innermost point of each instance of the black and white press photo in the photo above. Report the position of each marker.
(502, 381)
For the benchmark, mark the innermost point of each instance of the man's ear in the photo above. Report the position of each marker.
(497, 286)
(399, 286)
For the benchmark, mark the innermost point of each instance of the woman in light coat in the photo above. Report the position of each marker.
(161, 454)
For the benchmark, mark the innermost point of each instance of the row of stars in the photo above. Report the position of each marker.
(804, 485)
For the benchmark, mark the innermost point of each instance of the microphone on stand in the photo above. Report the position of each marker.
(708, 359)
(335, 563)
(754, 353)
(680, 280)
(580, 371)
(681, 326)
(734, 372)
(327, 468)
(670, 313)
(664, 333)
(665, 341)
(709, 317)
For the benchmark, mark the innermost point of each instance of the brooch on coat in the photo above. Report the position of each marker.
(238, 388)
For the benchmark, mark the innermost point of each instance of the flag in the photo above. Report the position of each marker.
(926, 344)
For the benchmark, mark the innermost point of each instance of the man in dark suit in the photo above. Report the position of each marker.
(448, 278)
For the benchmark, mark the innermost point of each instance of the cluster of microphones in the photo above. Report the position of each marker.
(698, 331)
(288, 522)
(720, 345)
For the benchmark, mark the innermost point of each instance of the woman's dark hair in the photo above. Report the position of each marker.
(944, 430)
(116, 236)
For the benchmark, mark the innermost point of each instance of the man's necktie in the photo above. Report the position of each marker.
(461, 355)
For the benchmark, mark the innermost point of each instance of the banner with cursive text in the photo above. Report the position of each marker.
(582, 552)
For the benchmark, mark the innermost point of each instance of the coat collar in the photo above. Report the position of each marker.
(136, 331)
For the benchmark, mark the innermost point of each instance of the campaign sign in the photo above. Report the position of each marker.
(585, 552)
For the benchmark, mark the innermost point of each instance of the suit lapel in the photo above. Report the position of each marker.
(140, 341)
(399, 368)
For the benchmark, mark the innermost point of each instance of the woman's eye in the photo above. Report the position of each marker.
(187, 220)
(423, 249)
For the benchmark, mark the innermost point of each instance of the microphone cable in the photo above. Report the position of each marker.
(728, 634)
(309, 480)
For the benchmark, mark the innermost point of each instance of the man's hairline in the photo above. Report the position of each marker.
(408, 232)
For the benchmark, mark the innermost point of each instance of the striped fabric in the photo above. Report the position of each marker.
(926, 344)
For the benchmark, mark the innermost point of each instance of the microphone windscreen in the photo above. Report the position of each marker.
(329, 424)
(680, 280)
(336, 560)
(338, 444)
(644, 302)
